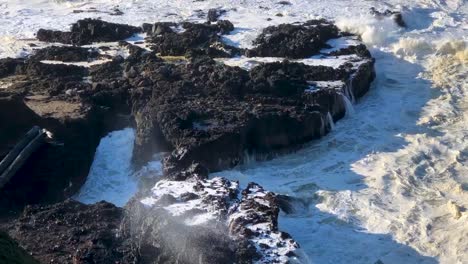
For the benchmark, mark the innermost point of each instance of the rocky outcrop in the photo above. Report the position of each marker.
(196, 106)
(65, 54)
(8, 66)
(199, 109)
(396, 15)
(189, 39)
(71, 232)
(242, 230)
(186, 100)
(214, 14)
(294, 41)
(87, 31)
(192, 221)
(49, 96)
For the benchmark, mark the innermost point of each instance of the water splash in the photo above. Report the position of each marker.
(110, 177)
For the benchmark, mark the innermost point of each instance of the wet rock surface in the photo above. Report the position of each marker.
(182, 97)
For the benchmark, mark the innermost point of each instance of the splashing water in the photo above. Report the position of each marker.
(110, 174)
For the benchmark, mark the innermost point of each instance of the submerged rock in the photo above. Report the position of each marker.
(396, 15)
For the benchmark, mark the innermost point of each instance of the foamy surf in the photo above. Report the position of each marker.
(110, 177)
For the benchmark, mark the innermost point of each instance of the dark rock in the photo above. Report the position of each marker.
(11, 253)
(71, 232)
(194, 40)
(34, 68)
(214, 14)
(166, 238)
(56, 98)
(8, 66)
(396, 15)
(192, 108)
(229, 111)
(210, 211)
(207, 115)
(285, 3)
(87, 31)
(65, 53)
(360, 50)
(294, 41)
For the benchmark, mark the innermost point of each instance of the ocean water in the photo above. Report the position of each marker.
(389, 183)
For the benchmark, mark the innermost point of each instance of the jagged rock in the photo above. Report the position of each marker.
(256, 218)
(191, 40)
(65, 53)
(71, 232)
(396, 15)
(360, 50)
(87, 31)
(211, 208)
(214, 14)
(230, 111)
(8, 66)
(293, 41)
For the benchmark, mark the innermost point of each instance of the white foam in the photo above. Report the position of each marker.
(333, 61)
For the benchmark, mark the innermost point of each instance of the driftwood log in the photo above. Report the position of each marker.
(20, 153)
